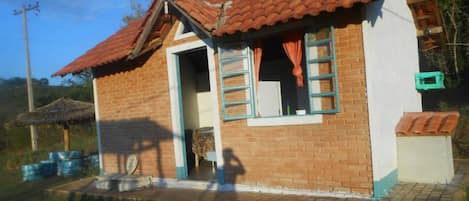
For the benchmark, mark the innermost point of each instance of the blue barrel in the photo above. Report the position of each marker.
(68, 155)
(48, 168)
(31, 172)
(69, 167)
(54, 156)
(93, 160)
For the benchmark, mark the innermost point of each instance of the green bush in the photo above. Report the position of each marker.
(461, 136)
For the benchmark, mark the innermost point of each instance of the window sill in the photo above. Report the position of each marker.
(286, 120)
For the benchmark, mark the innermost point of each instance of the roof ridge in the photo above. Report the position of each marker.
(212, 4)
(221, 19)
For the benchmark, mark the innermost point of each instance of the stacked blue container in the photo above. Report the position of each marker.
(64, 163)
(69, 163)
(31, 172)
(93, 160)
(48, 168)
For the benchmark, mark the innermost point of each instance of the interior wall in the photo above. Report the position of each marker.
(189, 93)
(205, 110)
(391, 59)
(280, 70)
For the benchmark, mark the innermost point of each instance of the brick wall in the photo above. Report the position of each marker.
(332, 156)
(135, 114)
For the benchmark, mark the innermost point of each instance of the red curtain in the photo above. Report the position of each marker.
(257, 65)
(257, 60)
(293, 46)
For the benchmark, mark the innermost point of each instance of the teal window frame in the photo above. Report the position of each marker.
(332, 76)
(248, 87)
(248, 72)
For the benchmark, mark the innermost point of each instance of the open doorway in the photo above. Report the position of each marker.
(198, 115)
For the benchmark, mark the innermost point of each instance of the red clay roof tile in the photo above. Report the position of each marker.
(427, 123)
(238, 16)
(243, 15)
(206, 12)
(110, 50)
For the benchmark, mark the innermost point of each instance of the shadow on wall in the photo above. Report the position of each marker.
(150, 142)
(376, 11)
(154, 148)
(232, 169)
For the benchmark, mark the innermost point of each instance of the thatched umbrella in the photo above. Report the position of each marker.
(62, 111)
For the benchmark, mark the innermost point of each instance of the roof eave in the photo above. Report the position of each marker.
(199, 26)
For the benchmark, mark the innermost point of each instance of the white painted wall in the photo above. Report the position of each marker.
(425, 159)
(391, 59)
(98, 125)
(205, 110)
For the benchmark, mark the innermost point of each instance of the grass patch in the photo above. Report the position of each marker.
(12, 187)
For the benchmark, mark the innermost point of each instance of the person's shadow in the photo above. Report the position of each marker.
(232, 167)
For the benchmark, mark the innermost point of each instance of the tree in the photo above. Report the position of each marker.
(81, 86)
(137, 11)
(455, 19)
(44, 81)
(451, 57)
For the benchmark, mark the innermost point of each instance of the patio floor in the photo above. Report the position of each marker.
(403, 191)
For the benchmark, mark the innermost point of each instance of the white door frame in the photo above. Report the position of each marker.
(176, 105)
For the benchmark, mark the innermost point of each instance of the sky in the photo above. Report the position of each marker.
(62, 31)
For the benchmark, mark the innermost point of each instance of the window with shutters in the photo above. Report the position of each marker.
(262, 84)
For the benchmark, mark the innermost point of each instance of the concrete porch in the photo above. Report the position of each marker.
(403, 191)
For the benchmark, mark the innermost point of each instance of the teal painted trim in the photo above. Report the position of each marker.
(181, 172)
(429, 80)
(336, 81)
(332, 75)
(245, 55)
(233, 103)
(319, 42)
(220, 176)
(382, 187)
(184, 174)
(322, 77)
(220, 72)
(324, 112)
(233, 73)
(308, 71)
(323, 94)
(320, 60)
(101, 171)
(235, 88)
(252, 91)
